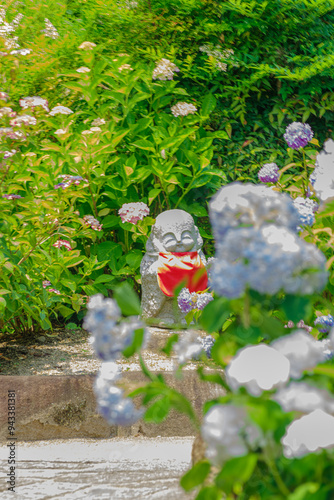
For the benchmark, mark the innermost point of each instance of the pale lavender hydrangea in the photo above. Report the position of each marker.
(306, 209)
(298, 134)
(269, 173)
(186, 300)
(324, 323)
(187, 347)
(92, 222)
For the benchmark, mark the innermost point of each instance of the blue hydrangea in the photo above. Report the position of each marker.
(240, 205)
(269, 173)
(298, 134)
(325, 323)
(111, 403)
(268, 260)
(202, 300)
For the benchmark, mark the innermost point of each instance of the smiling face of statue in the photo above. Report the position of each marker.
(175, 231)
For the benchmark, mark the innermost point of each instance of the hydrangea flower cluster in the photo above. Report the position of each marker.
(322, 177)
(87, 46)
(6, 111)
(4, 96)
(7, 30)
(15, 135)
(21, 52)
(269, 173)
(261, 368)
(33, 102)
(83, 69)
(253, 251)
(306, 209)
(188, 301)
(12, 196)
(190, 346)
(60, 110)
(228, 432)
(133, 212)
(63, 243)
(218, 55)
(164, 70)
(23, 120)
(50, 31)
(110, 335)
(92, 222)
(183, 109)
(298, 134)
(324, 323)
(68, 180)
(111, 403)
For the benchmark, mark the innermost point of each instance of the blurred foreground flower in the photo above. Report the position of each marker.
(228, 433)
(298, 134)
(112, 405)
(258, 368)
(309, 434)
(133, 212)
(324, 323)
(306, 209)
(304, 398)
(302, 350)
(322, 177)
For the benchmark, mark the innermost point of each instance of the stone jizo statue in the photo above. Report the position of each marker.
(173, 258)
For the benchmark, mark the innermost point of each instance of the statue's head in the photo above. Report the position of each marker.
(174, 231)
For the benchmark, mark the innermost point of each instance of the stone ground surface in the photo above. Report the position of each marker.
(108, 469)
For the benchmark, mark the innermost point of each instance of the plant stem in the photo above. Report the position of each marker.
(305, 168)
(276, 475)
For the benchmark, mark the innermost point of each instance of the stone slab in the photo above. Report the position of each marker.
(113, 469)
(53, 407)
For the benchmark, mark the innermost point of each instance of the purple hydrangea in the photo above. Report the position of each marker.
(325, 323)
(202, 300)
(298, 134)
(207, 344)
(186, 300)
(269, 173)
(12, 196)
(306, 209)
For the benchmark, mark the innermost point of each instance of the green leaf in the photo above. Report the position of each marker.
(134, 258)
(158, 411)
(107, 250)
(111, 221)
(214, 315)
(65, 311)
(153, 193)
(219, 134)
(137, 342)
(172, 339)
(144, 144)
(209, 493)
(196, 475)
(127, 299)
(236, 471)
(209, 104)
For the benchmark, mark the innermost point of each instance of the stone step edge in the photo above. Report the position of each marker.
(64, 406)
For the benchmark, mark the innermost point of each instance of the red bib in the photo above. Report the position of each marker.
(177, 267)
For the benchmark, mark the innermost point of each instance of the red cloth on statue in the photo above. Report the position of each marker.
(177, 267)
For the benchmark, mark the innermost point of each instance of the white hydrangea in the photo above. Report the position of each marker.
(309, 434)
(228, 433)
(164, 70)
(188, 347)
(27, 120)
(257, 368)
(83, 69)
(102, 315)
(50, 31)
(305, 398)
(60, 110)
(302, 350)
(183, 109)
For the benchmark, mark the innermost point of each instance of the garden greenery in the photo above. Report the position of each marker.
(104, 124)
